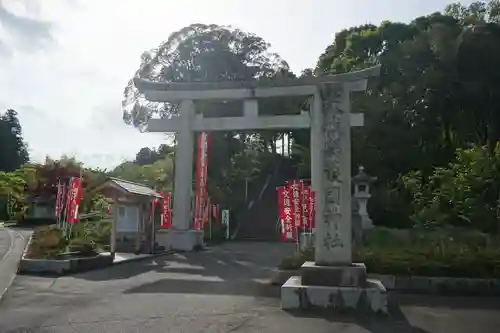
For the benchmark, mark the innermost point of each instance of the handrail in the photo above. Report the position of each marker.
(261, 194)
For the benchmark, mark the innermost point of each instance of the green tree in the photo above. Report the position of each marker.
(13, 151)
(211, 53)
(436, 94)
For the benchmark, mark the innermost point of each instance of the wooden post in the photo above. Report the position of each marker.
(113, 225)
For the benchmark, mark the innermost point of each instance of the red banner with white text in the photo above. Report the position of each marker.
(60, 198)
(74, 197)
(165, 211)
(313, 210)
(306, 208)
(295, 187)
(296, 208)
(201, 180)
(287, 226)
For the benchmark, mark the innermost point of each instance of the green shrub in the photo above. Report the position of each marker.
(447, 237)
(446, 252)
(465, 193)
(90, 235)
(46, 242)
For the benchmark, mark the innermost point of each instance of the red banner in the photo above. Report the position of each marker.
(59, 198)
(287, 227)
(74, 196)
(295, 187)
(313, 210)
(306, 208)
(165, 211)
(201, 180)
(205, 213)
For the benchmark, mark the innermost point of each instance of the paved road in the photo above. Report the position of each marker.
(12, 243)
(223, 290)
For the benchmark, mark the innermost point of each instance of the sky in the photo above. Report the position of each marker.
(65, 63)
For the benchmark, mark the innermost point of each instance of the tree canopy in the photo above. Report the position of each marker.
(13, 150)
(432, 119)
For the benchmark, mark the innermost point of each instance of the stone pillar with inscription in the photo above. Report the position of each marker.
(332, 280)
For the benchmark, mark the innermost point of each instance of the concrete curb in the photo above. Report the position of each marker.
(64, 266)
(420, 284)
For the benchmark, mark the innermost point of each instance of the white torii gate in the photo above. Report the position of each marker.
(329, 121)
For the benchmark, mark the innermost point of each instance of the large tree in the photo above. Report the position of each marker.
(437, 92)
(211, 53)
(13, 151)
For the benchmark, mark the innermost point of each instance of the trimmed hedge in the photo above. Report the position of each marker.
(434, 253)
(479, 264)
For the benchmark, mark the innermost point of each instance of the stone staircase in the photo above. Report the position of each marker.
(261, 221)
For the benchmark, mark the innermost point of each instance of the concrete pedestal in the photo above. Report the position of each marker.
(372, 297)
(333, 287)
(306, 240)
(180, 240)
(353, 275)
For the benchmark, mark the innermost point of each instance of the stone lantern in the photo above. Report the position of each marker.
(362, 182)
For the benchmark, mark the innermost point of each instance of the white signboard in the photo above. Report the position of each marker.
(225, 221)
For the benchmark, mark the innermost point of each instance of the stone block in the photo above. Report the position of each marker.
(389, 281)
(402, 283)
(281, 276)
(297, 296)
(180, 240)
(494, 286)
(420, 283)
(344, 276)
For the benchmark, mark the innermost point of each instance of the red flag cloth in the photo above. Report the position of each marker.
(205, 213)
(287, 226)
(306, 208)
(313, 210)
(75, 195)
(201, 180)
(165, 211)
(295, 188)
(60, 198)
(197, 177)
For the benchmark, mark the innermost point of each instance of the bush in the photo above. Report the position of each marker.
(46, 242)
(447, 253)
(472, 264)
(89, 236)
(465, 193)
(86, 238)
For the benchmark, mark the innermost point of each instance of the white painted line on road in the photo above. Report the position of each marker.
(11, 246)
(9, 231)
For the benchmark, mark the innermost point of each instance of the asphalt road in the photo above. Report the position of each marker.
(222, 290)
(12, 243)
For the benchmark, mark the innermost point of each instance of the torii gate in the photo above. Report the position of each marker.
(329, 120)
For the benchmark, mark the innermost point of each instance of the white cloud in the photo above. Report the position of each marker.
(65, 63)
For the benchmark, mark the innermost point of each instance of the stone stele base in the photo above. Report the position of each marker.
(333, 287)
(179, 240)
